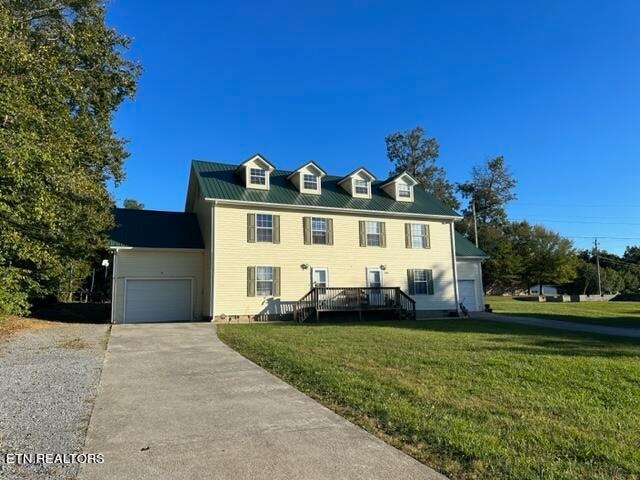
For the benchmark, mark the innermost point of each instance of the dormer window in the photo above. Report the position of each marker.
(358, 183)
(308, 178)
(400, 187)
(257, 176)
(404, 190)
(361, 186)
(310, 181)
(255, 172)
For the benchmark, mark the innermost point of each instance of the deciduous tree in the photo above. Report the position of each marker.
(62, 76)
(413, 152)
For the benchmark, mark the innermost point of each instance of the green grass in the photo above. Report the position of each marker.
(613, 314)
(475, 400)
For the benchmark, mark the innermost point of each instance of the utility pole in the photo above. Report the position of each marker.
(475, 221)
(598, 265)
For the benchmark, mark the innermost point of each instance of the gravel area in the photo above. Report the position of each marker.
(48, 380)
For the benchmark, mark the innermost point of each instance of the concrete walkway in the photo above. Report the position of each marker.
(176, 403)
(559, 324)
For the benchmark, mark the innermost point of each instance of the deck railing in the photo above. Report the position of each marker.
(357, 299)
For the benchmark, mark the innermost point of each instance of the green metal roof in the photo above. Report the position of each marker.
(219, 180)
(155, 229)
(465, 248)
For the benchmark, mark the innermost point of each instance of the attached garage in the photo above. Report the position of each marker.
(469, 266)
(467, 293)
(158, 300)
(158, 267)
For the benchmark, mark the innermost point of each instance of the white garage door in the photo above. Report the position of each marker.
(467, 292)
(161, 300)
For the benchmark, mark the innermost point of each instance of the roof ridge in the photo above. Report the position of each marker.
(288, 172)
(151, 210)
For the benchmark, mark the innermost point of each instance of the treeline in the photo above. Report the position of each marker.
(520, 255)
(62, 75)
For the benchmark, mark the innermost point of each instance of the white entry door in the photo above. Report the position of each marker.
(374, 281)
(467, 293)
(320, 280)
(157, 300)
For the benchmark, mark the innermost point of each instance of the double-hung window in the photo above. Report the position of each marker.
(374, 234)
(362, 186)
(422, 282)
(257, 176)
(404, 190)
(264, 228)
(310, 181)
(319, 230)
(418, 236)
(264, 281)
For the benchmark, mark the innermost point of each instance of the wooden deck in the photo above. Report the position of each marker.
(354, 299)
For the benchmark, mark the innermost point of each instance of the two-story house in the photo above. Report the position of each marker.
(258, 243)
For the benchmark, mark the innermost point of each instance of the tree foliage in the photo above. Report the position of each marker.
(132, 204)
(62, 75)
(413, 152)
(491, 188)
(545, 256)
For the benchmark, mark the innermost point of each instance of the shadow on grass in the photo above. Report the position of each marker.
(611, 321)
(74, 313)
(507, 337)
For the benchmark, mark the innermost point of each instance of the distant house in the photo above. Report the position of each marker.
(258, 243)
(546, 289)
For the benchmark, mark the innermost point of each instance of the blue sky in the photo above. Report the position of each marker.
(553, 86)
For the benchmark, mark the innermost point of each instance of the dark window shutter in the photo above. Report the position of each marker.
(363, 233)
(427, 237)
(329, 231)
(383, 234)
(251, 227)
(306, 230)
(407, 235)
(251, 281)
(430, 282)
(410, 281)
(276, 229)
(276, 281)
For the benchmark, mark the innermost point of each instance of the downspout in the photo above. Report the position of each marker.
(113, 286)
(455, 266)
(212, 260)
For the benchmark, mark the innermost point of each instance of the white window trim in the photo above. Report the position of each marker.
(272, 280)
(326, 233)
(264, 228)
(316, 180)
(251, 175)
(422, 239)
(366, 233)
(360, 194)
(426, 281)
(375, 269)
(401, 198)
(326, 272)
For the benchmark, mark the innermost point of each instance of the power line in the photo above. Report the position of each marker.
(574, 221)
(578, 205)
(611, 238)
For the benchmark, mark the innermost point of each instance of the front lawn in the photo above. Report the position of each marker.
(475, 400)
(613, 314)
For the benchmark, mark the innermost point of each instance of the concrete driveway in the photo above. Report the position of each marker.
(174, 402)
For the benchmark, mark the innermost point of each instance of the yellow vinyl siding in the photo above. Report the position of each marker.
(346, 260)
(202, 209)
(138, 263)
